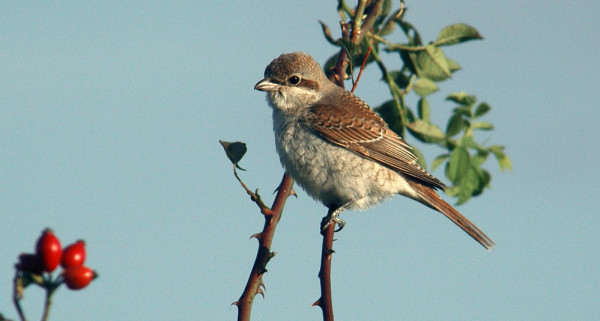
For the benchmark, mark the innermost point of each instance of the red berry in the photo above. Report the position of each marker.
(48, 250)
(73, 255)
(78, 277)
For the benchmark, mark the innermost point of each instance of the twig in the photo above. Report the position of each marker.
(367, 25)
(255, 284)
(360, 29)
(362, 67)
(358, 17)
(48, 303)
(254, 196)
(339, 72)
(18, 294)
(325, 301)
(397, 46)
(398, 99)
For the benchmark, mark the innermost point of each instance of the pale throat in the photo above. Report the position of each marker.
(291, 99)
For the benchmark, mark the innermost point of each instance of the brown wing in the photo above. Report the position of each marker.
(352, 124)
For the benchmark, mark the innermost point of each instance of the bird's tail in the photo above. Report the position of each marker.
(430, 198)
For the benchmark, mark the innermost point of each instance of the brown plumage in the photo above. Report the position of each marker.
(356, 127)
(339, 150)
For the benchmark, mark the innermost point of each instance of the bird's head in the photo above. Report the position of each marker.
(293, 81)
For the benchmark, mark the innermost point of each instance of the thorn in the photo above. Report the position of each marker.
(330, 252)
(259, 291)
(262, 284)
(272, 254)
(237, 303)
(256, 236)
(293, 192)
(261, 273)
(318, 302)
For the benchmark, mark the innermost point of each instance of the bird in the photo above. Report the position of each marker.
(339, 150)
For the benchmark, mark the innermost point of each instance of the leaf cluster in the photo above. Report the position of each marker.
(420, 68)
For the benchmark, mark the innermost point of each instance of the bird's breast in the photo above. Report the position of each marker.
(330, 173)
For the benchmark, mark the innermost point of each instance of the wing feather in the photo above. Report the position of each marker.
(352, 124)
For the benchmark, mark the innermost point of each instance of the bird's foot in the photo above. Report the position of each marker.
(333, 217)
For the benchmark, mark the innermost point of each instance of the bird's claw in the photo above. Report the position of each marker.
(327, 220)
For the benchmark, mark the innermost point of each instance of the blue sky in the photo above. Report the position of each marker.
(110, 116)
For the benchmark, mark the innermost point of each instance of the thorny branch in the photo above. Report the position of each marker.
(272, 215)
(360, 28)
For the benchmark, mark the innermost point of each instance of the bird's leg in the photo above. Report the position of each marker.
(333, 216)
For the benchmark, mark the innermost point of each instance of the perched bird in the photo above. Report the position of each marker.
(339, 150)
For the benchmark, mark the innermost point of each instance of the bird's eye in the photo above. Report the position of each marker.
(294, 80)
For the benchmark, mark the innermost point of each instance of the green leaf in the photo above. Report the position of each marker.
(432, 64)
(423, 109)
(410, 60)
(452, 65)
(420, 158)
(409, 116)
(234, 151)
(479, 158)
(452, 191)
(458, 164)
(462, 98)
(401, 79)
(483, 125)
(468, 184)
(469, 142)
(385, 8)
(463, 110)
(387, 28)
(414, 39)
(426, 131)
(389, 112)
(424, 87)
(484, 181)
(455, 125)
(457, 33)
(482, 109)
(503, 160)
(439, 161)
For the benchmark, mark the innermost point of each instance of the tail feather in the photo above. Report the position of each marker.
(430, 198)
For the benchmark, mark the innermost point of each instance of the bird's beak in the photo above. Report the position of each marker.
(266, 85)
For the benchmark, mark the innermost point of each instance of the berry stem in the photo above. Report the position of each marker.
(18, 294)
(48, 303)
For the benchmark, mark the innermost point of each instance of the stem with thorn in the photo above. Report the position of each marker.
(361, 27)
(272, 215)
(325, 301)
